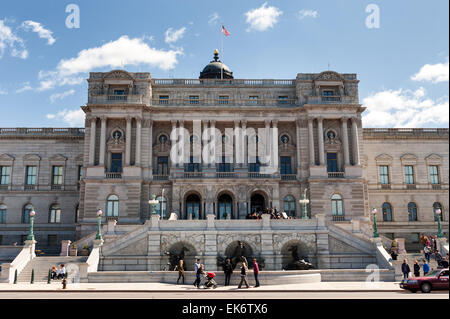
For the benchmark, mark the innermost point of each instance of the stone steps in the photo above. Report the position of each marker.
(41, 265)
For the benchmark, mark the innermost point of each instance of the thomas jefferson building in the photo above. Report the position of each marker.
(122, 157)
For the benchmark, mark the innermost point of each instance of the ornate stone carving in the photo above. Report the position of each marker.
(329, 76)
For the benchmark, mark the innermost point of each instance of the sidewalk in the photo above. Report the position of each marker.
(163, 287)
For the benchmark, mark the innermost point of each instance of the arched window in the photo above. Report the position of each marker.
(3, 210)
(289, 205)
(161, 208)
(284, 139)
(55, 214)
(437, 206)
(387, 212)
(26, 213)
(337, 205)
(112, 206)
(412, 212)
(163, 139)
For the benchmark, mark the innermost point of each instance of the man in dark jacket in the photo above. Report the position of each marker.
(228, 270)
(256, 272)
(405, 269)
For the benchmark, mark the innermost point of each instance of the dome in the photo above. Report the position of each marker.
(215, 69)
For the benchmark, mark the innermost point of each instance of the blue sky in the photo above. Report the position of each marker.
(402, 64)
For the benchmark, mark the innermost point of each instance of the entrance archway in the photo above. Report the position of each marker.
(257, 203)
(193, 207)
(225, 207)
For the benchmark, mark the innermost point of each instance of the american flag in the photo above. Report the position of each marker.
(225, 31)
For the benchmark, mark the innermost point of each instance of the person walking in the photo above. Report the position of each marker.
(200, 273)
(244, 276)
(416, 269)
(228, 270)
(444, 262)
(425, 267)
(256, 272)
(405, 269)
(197, 278)
(180, 268)
(438, 258)
(427, 253)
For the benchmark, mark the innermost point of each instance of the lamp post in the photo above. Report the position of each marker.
(438, 214)
(99, 225)
(31, 231)
(304, 202)
(153, 202)
(375, 232)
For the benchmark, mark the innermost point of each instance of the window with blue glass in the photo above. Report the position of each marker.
(116, 162)
(384, 174)
(31, 175)
(387, 212)
(412, 212)
(409, 175)
(332, 164)
(26, 213)
(285, 165)
(192, 166)
(5, 173)
(163, 165)
(223, 166)
(3, 210)
(255, 167)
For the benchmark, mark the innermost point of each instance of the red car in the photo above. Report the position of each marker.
(434, 280)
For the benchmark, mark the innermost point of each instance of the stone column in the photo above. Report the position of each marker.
(128, 142)
(205, 140)
(138, 141)
(297, 143)
(102, 141)
(344, 130)
(355, 140)
(244, 142)
(92, 142)
(237, 144)
(267, 138)
(320, 138)
(182, 139)
(311, 142)
(213, 135)
(150, 153)
(173, 138)
(274, 146)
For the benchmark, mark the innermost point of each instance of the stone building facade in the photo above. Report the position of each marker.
(123, 157)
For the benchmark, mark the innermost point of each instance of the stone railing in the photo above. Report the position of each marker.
(288, 177)
(336, 174)
(116, 99)
(111, 175)
(91, 264)
(332, 100)
(220, 102)
(225, 82)
(23, 131)
(406, 132)
(18, 264)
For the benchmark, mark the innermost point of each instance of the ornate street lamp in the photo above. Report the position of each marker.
(304, 202)
(99, 225)
(440, 234)
(31, 232)
(153, 202)
(375, 232)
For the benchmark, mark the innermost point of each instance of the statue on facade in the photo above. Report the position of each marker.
(239, 254)
(297, 262)
(174, 258)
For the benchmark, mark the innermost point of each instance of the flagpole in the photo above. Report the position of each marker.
(221, 52)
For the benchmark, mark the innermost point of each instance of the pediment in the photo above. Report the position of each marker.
(6, 157)
(384, 159)
(58, 158)
(408, 159)
(329, 76)
(433, 159)
(118, 75)
(31, 157)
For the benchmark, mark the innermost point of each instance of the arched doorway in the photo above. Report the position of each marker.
(225, 207)
(193, 206)
(258, 203)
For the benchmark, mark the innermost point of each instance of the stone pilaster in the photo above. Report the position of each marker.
(356, 156)
(128, 142)
(344, 130)
(138, 141)
(102, 140)
(320, 139)
(92, 141)
(311, 142)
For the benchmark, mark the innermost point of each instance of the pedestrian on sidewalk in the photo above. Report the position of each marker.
(228, 270)
(200, 274)
(180, 268)
(444, 262)
(425, 267)
(61, 272)
(416, 269)
(256, 272)
(405, 269)
(427, 253)
(196, 267)
(438, 258)
(244, 276)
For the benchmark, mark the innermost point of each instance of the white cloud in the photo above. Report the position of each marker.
(302, 14)
(40, 30)
(26, 87)
(73, 118)
(405, 108)
(433, 73)
(60, 96)
(113, 54)
(214, 18)
(3, 92)
(263, 18)
(173, 36)
(10, 40)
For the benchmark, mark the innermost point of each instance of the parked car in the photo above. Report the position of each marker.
(435, 280)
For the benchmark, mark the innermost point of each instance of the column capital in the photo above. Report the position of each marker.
(244, 123)
(320, 119)
(92, 118)
(274, 123)
(138, 119)
(311, 119)
(344, 119)
(128, 118)
(205, 122)
(174, 123)
(267, 122)
(103, 118)
(237, 123)
(298, 122)
(354, 119)
(150, 122)
(212, 122)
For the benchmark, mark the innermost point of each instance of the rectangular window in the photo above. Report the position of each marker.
(332, 164)
(223, 99)
(255, 167)
(193, 99)
(2, 215)
(163, 165)
(163, 99)
(119, 92)
(80, 172)
(285, 163)
(327, 93)
(223, 166)
(31, 175)
(409, 175)
(384, 174)
(192, 166)
(116, 162)
(253, 100)
(434, 174)
(283, 99)
(57, 175)
(5, 173)
(52, 240)
(1, 240)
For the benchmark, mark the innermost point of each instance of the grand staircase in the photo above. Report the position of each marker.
(411, 257)
(41, 265)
